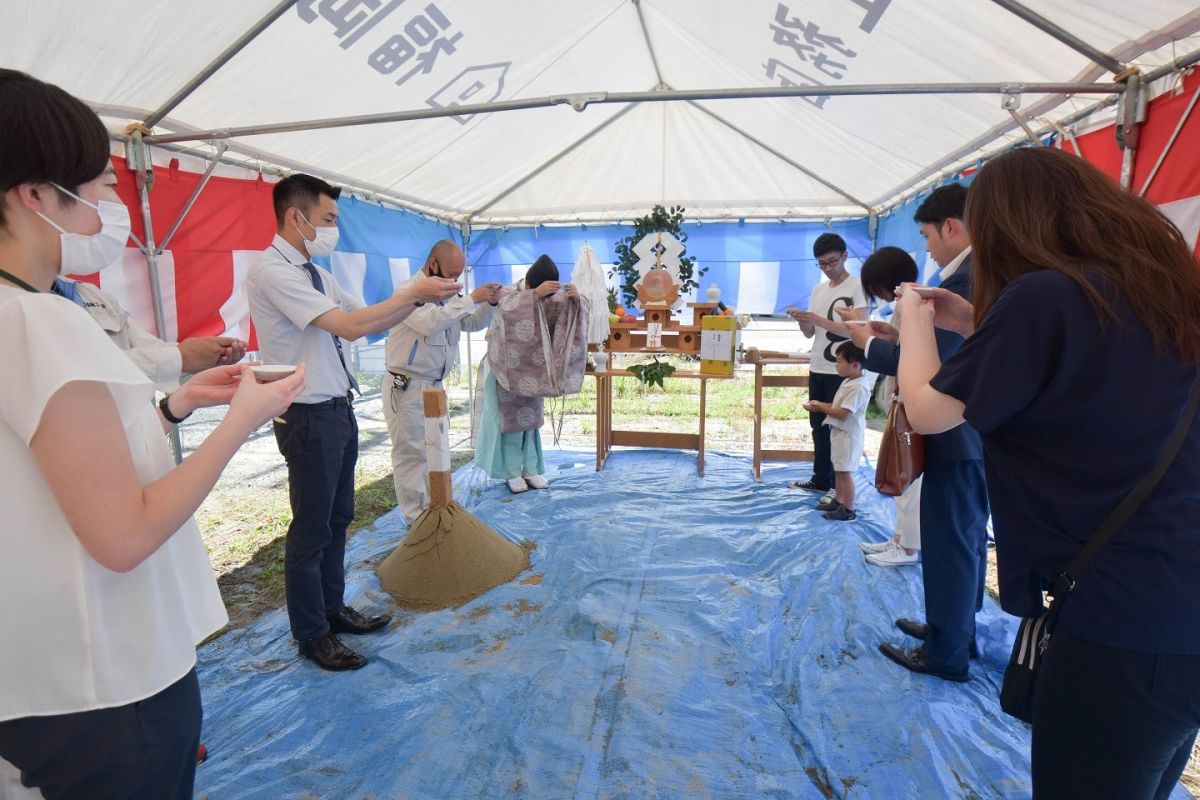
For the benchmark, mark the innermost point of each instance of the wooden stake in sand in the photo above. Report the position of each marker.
(449, 555)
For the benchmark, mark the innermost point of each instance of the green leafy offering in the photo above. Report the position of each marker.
(653, 373)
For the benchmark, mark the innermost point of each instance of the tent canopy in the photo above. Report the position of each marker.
(816, 156)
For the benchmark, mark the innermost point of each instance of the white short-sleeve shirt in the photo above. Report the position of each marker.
(76, 635)
(823, 301)
(853, 395)
(283, 303)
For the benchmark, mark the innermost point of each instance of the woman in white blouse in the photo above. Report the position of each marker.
(105, 585)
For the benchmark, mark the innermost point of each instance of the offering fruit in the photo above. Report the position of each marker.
(613, 318)
(629, 318)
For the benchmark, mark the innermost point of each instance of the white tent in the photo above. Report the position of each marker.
(854, 124)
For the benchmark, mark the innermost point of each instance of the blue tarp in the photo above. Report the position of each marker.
(677, 637)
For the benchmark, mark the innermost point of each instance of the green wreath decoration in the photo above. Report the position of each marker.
(625, 269)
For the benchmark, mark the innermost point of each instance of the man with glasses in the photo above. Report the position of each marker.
(820, 321)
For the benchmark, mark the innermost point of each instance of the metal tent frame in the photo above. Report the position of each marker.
(1126, 90)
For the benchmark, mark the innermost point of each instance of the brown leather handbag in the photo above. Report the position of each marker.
(901, 454)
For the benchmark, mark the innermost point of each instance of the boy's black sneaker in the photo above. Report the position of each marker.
(841, 514)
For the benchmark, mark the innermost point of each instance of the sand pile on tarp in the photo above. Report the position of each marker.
(448, 557)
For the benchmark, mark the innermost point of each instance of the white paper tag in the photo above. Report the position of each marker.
(654, 335)
(437, 444)
(716, 345)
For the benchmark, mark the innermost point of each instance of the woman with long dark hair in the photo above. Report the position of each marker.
(104, 581)
(1082, 352)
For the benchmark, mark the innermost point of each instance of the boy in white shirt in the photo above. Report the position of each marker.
(847, 416)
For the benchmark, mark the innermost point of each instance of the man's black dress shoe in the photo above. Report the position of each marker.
(350, 621)
(920, 630)
(328, 652)
(914, 661)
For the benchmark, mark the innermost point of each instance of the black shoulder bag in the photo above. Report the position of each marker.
(1033, 636)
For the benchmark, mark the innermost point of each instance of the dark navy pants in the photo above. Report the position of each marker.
(954, 511)
(822, 387)
(1112, 724)
(140, 750)
(320, 444)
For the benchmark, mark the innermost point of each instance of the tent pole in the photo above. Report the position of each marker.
(956, 158)
(446, 214)
(157, 115)
(637, 4)
(1061, 34)
(1170, 142)
(143, 167)
(431, 210)
(187, 207)
(580, 101)
(1129, 126)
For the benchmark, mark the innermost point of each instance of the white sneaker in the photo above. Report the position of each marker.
(875, 547)
(535, 481)
(517, 485)
(893, 557)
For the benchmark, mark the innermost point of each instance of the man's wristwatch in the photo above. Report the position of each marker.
(166, 411)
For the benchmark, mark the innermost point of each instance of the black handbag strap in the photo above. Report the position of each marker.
(1132, 502)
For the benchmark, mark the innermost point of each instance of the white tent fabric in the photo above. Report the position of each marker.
(759, 158)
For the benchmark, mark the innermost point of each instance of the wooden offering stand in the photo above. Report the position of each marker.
(632, 337)
(762, 360)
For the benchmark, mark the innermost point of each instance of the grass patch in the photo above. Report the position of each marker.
(245, 533)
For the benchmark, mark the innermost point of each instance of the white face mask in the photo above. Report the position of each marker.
(327, 239)
(83, 254)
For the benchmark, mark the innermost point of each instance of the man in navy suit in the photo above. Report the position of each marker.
(954, 505)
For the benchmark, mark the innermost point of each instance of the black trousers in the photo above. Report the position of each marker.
(144, 749)
(822, 387)
(954, 511)
(1111, 723)
(320, 444)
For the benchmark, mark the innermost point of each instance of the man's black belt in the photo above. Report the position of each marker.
(336, 401)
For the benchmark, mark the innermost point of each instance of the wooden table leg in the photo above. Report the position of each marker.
(599, 420)
(608, 401)
(758, 404)
(600, 415)
(700, 453)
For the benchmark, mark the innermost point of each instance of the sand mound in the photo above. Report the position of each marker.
(449, 557)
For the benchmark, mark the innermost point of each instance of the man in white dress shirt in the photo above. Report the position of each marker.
(421, 351)
(302, 315)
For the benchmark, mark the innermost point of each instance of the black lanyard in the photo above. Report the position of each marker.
(8, 276)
